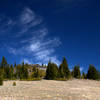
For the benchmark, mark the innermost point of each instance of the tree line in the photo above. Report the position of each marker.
(53, 72)
(20, 72)
(63, 72)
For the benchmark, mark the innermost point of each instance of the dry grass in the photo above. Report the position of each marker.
(51, 90)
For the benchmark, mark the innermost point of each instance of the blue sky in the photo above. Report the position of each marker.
(40, 30)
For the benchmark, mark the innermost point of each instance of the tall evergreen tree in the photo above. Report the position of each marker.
(76, 72)
(48, 74)
(3, 62)
(35, 72)
(24, 71)
(64, 70)
(52, 71)
(93, 73)
(12, 71)
(7, 72)
(18, 72)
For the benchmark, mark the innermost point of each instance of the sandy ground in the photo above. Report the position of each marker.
(51, 90)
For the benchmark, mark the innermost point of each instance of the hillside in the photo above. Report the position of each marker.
(51, 90)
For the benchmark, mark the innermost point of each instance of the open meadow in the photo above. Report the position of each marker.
(51, 90)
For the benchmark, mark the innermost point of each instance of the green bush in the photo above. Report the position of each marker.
(42, 73)
(14, 83)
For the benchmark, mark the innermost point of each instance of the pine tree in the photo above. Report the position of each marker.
(18, 72)
(76, 72)
(7, 72)
(12, 71)
(3, 62)
(24, 72)
(3, 66)
(93, 73)
(52, 71)
(64, 70)
(15, 71)
(48, 74)
(36, 72)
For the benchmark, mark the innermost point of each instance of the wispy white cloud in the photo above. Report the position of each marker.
(12, 50)
(27, 16)
(6, 24)
(28, 20)
(31, 40)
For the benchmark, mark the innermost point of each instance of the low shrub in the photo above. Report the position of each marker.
(61, 79)
(31, 79)
(14, 83)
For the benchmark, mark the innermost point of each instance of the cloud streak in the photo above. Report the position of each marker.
(30, 38)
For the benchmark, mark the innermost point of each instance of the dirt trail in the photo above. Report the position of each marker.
(51, 90)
